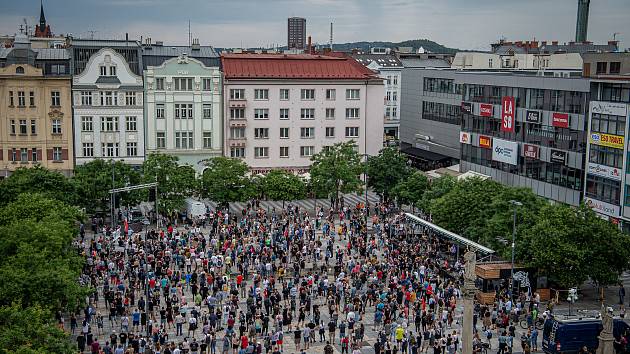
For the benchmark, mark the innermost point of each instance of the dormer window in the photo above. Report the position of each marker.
(103, 70)
(112, 71)
(19, 70)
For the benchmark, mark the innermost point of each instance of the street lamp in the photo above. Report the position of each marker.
(515, 204)
(366, 194)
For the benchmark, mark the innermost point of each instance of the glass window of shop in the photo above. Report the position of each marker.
(445, 113)
(608, 124)
(439, 87)
(604, 155)
(604, 189)
(611, 92)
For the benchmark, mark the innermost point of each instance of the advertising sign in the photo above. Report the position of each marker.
(558, 156)
(615, 109)
(505, 151)
(613, 141)
(464, 138)
(486, 110)
(485, 141)
(467, 107)
(560, 120)
(507, 114)
(604, 171)
(531, 151)
(533, 117)
(602, 207)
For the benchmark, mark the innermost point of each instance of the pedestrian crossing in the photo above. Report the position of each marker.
(309, 205)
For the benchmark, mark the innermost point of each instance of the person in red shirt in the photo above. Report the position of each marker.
(244, 342)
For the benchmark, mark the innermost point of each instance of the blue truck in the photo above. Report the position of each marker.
(567, 335)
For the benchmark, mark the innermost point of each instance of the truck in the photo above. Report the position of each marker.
(565, 335)
(195, 209)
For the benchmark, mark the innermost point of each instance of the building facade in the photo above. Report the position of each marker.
(36, 109)
(296, 33)
(280, 110)
(184, 110)
(108, 110)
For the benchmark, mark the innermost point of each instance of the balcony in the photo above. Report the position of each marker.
(237, 102)
(237, 123)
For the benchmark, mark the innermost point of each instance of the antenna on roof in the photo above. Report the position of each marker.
(331, 36)
(189, 34)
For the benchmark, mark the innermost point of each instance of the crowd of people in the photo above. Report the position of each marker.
(261, 279)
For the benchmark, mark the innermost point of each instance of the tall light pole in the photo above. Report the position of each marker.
(367, 210)
(516, 204)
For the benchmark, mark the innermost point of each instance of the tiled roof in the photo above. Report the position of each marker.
(42, 53)
(382, 60)
(293, 66)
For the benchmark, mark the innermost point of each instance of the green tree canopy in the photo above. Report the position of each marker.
(410, 190)
(386, 170)
(225, 180)
(175, 182)
(337, 169)
(283, 185)
(37, 180)
(437, 188)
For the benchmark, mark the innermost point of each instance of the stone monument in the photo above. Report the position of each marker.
(606, 337)
(469, 295)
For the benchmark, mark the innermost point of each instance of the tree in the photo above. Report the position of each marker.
(410, 190)
(386, 170)
(337, 169)
(94, 179)
(175, 182)
(225, 180)
(283, 185)
(437, 188)
(37, 180)
(31, 330)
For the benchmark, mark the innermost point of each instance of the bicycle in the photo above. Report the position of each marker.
(539, 323)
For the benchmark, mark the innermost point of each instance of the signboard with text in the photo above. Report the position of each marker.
(604, 171)
(612, 108)
(505, 151)
(533, 117)
(507, 114)
(531, 151)
(613, 141)
(558, 156)
(467, 107)
(560, 120)
(464, 138)
(486, 110)
(485, 141)
(602, 207)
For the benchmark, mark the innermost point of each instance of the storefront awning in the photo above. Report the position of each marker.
(426, 155)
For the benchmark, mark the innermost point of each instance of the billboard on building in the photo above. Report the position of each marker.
(604, 171)
(464, 138)
(558, 156)
(612, 108)
(531, 151)
(486, 110)
(533, 117)
(505, 151)
(560, 120)
(466, 107)
(613, 141)
(485, 141)
(507, 114)
(602, 207)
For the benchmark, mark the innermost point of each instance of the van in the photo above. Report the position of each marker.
(568, 335)
(195, 209)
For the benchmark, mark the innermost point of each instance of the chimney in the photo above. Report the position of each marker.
(309, 47)
(581, 26)
(534, 44)
(195, 44)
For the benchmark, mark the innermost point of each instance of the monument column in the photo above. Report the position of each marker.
(468, 293)
(606, 337)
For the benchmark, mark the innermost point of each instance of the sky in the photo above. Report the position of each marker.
(463, 24)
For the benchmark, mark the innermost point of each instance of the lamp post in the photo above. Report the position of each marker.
(146, 224)
(367, 210)
(515, 204)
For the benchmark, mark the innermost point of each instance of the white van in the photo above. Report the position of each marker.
(195, 209)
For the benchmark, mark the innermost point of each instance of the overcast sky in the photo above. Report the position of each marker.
(465, 24)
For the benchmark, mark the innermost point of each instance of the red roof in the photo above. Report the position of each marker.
(293, 66)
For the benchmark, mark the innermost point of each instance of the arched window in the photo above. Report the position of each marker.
(19, 70)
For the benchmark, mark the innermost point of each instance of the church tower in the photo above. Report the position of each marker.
(42, 30)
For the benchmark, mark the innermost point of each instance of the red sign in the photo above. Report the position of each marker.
(486, 110)
(507, 114)
(560, 120)
(531, 151)
(485, 141)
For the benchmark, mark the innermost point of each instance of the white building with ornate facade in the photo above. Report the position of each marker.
(183, 110)
(108, 110)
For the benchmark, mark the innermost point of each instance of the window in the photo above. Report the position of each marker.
(331, 94)
(86, 98)
(284, 133)
(261, 94)
(24, 154)
(261, 152)
(103, 69)
(284, 113)
(183, 110)
(183, 83)
(395, 77)
(109, 124)
(160, 139)
(159, 83)
(394, 112)
(33, 127)
(352, 132)
(207, 111)
(112, 71)
(13, 126)
(308, 94)
(389, 79)
(237, 113)
(108, 98)
(306, 151)
(56, 126)
(58, 69)
(237, 94)
(261, 113)
(284, 94)
(13, 155)
(159, 111)
(184, 140)
(284, 151)
(132, 149)
(237, 133)
(261, 133)
(601, 67)
(55, 98)
(394, 96)
(23, 127)
(307, 113)
(88, 149)
(237, 152)
(31, 98)
(615, 67)
(352, 113)
(109, 149)
(330, 113)
(130, 98)
(206, 84)
(11, 103)
(307, 133)
(57, 154)
(131, 125)
(352, 94)
(34, 155)
(19, 70)
(22, 99)
(388, 96)
(330, 132)
(388, 112)
(207, 140)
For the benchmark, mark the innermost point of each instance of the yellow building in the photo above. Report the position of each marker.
(35, 110)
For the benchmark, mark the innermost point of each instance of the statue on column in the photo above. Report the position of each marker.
(606, 337)
(469, 268)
